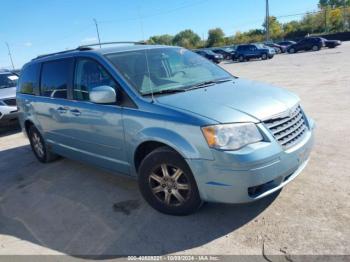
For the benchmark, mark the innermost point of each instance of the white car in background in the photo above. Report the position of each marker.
(8, 107)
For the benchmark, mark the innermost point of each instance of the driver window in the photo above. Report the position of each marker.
(88, 75)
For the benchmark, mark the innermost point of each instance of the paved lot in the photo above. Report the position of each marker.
(71, 208)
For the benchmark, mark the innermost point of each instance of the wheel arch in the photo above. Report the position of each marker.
(145, 148)
(153, 138)
(27, 124)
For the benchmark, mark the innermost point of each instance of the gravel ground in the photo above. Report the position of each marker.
(71, 208)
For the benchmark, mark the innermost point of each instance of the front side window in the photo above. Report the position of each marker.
(8, 80)
(155, 70)
(88, 75)
(55, 78)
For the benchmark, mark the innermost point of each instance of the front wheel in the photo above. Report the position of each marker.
(291, 50)
(264, 56)
(167, 183)
(315, 48)
(241, 58)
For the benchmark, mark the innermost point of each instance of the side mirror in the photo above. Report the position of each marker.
(103, 95)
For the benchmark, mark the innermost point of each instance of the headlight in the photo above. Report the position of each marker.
(231, 136)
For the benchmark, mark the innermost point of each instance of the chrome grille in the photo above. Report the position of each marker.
(288, 130)
(10, 102)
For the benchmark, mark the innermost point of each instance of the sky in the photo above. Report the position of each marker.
(34, 27)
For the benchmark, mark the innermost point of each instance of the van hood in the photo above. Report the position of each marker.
(9, 92)
(235, 101)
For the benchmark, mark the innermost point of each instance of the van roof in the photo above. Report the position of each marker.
(100, 51)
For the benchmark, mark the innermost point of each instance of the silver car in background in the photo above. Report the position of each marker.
(8, 107)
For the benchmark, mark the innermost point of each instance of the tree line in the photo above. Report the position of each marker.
(332, 16)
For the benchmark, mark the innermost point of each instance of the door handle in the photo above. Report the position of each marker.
(62, 109)
(75, 112)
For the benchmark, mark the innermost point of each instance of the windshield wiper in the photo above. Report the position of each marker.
(184, 89)
(165, 91)
(207, 83)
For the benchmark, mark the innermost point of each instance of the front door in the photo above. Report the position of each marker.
(95, 130)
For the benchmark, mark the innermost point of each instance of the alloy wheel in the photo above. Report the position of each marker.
(170, 185)
(37, 145)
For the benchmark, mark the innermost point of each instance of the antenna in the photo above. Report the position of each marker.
(9, 52)
(98, 33)
(146, 56)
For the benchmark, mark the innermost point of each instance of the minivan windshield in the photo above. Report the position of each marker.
(8, 80)
(166, 70)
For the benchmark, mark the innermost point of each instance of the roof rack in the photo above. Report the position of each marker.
(89, 47)
(112, 43)
(57, 53)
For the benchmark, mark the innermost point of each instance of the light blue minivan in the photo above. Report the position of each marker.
(185, 128)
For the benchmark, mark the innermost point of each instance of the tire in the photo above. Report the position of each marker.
(264, 56)
(291, 50)
(160, 175)
(241, 58)
(39, 147)
(315, 48)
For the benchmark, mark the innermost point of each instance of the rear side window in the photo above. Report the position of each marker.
(55, 77)
(28, 81)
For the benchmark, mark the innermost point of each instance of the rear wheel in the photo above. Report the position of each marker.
(39, 146)
(241, 58)
(167, 183)
(291, 50)
(315, 48)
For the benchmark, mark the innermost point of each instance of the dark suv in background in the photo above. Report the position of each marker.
(308, 43)
(246, 52)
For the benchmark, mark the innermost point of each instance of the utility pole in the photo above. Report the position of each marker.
(267, 21)
(325, 19)
(98, 33)
(8, 49)
(344, 16)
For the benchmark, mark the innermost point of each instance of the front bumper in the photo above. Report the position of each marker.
(8, 114)
(252, 172)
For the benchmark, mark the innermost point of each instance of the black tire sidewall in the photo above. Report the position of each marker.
(167, 156)
(31, 131)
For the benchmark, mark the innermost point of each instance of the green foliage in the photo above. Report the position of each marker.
(333, 16)
(334, 3)
(216, 37)
(187, 39)
(161, 40)
(275, 28)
